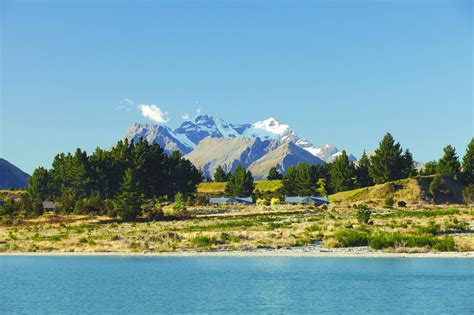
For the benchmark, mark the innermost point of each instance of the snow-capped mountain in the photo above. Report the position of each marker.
(168, 139)
(277, 144)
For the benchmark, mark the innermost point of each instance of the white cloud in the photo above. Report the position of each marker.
(154, 113)
(185, 116)
(126, 104)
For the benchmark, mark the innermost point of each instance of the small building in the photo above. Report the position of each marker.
(49, 205)
(231, 201)
(306, 200)
(222, 201)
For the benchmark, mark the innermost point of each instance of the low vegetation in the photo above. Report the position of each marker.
(247, 228)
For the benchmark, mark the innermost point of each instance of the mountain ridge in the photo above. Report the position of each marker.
(193, 138)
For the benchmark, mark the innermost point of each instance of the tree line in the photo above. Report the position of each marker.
(118, 180)
(389, 162)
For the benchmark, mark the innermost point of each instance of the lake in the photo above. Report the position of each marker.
(111, 284)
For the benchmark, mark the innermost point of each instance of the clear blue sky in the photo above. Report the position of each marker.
(340, 72)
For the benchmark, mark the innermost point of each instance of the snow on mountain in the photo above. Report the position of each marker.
(163, 135)
(277, 144)
(204, 126)
(269, 129)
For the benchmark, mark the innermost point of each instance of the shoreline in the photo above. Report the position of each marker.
(288, 253)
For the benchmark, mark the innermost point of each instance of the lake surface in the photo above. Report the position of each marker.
(235, 285)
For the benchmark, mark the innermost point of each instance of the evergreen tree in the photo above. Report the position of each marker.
(342, 173)
(273, 174)
(449, 163)
(468, 163)
(387, 162)
(303, 183)
(38, 184)
(362, 171)
(240, 183)
(128, 201)
(429, 168)
(220, 175)
(408, 168)
(288, 182)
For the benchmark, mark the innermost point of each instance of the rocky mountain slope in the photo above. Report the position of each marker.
(208, 142)
(11, 176)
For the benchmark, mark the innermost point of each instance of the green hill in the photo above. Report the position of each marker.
(219, 188)
(411, 191)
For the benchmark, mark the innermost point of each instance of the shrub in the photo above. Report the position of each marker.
(262, 202)
(178, 204)
(275, 201)
(202, 241)
(401, 204)
(468, 194)
(351, 238)
(363, 213)
(396, 239)
(389, 202)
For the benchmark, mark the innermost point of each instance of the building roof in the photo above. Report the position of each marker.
(244, 199)
(307, 199)
(221, 200)
(49, 204)
(296, 199)
(319, 199)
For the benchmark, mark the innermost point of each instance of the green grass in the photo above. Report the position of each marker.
(261, 185)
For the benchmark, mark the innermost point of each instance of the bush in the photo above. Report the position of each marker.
(178, 204)
(202, 241)
(275, 201)
(351, 238)
(262, 202)
(401, 204)
(363, 214)
(468, 194)
(396, 239)
(388, 202)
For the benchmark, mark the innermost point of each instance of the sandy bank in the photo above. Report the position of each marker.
(358, 252)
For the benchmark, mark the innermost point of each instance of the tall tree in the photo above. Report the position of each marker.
(273, 174)
(220, 175)
(449, 163)
(128, 201)
(342, 173)
(362, 171)
(288, 182)
(240, 183)
(38, 184)
(468, 163)
(304, 185)
(387, 162)
(408, 167)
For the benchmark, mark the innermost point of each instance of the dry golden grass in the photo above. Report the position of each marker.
(241, 228)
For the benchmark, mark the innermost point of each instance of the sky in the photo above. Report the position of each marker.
(79, 73)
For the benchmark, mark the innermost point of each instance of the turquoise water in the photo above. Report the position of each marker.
(235, 285)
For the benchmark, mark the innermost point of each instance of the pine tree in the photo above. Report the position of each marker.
(304, 185)
(289, 181)
(362, 171)
(408, 168)
(38, 184)
(449, 163)
(273, 174)
(240, 183)
(128, 201)
(342, 173)
(429, 168)
(468, 163)
(220, 175)
(387, 162)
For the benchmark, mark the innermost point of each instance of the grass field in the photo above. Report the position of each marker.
(219, 188)
(396, 230)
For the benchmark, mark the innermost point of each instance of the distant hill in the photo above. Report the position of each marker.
(411, 190)
(11, 176)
